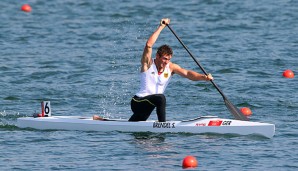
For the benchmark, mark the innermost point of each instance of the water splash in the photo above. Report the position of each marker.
(8, 119)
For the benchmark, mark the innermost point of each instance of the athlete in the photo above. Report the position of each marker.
(155, 76)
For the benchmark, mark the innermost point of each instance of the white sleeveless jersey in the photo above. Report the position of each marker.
(152, 83)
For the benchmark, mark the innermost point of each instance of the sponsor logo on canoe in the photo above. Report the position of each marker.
(215, 123)
(163, 125)
(219, 123)
(200, 124)
(226, 123)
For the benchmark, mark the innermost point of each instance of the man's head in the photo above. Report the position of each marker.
(165, 50)
(163, 55)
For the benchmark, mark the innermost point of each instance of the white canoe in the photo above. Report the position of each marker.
(205, 124)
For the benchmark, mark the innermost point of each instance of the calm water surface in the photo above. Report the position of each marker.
(84, 57)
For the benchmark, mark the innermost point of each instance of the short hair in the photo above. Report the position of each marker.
(164, 50)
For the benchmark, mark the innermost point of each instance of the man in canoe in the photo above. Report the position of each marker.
(155, 76)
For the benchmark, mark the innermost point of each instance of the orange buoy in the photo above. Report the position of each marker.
(189, 161)
(246, 111)
(288, 73)
(26, 8)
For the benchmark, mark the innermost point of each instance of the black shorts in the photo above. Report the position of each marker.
(142, 107)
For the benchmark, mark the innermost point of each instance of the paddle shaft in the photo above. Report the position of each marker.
(235, 112)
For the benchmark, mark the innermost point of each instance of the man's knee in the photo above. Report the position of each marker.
(161, 99)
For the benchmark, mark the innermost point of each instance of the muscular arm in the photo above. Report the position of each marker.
(146, 60)
(192, 75)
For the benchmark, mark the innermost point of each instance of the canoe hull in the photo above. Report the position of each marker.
(200, 125)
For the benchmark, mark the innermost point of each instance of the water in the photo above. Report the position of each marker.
(84, 58)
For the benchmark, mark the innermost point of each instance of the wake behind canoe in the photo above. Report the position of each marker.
(205, 124)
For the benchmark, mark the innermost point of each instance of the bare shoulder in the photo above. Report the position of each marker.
(175, 68)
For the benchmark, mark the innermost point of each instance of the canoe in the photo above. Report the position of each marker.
(200, 125)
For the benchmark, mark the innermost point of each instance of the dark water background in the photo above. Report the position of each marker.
(84, 57)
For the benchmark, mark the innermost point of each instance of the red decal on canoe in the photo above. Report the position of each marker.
(215, 123)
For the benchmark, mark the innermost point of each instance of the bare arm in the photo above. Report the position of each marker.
(192, 75)
(146, 60)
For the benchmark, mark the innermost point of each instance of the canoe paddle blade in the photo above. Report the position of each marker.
(235, 111)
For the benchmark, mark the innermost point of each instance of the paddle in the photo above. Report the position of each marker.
(233, 110)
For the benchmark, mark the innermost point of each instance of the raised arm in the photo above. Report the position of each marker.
(146, 60)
